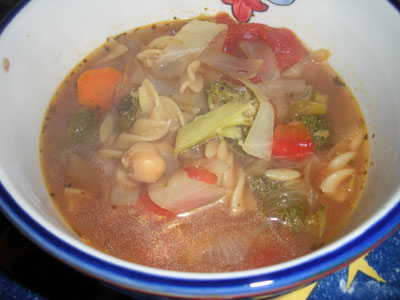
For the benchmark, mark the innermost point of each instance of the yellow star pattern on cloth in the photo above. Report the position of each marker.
(300, 294)
(362, 265)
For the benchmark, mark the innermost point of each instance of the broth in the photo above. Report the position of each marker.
(133, 188)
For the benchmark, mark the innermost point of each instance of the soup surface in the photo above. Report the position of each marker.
(204, 145)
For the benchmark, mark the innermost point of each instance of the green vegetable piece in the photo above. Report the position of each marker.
(305, 107)
(317, 105)
(218, 121)
(292, 217)
(261, 186)
(319, 97)
(220, 93)
(128, 111)
(83, 126)
(319, 128)
(318, 219)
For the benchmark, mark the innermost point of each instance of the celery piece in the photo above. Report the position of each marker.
(218, 121)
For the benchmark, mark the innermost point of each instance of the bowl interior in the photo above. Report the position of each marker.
(42, 50)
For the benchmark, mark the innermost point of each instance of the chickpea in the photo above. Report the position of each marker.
(143, 162)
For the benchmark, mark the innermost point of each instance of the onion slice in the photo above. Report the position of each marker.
(232, 66)
(185, 46)
(302, 65)
(281, 87)
(259, 139)
(179, 193)
(259, 50)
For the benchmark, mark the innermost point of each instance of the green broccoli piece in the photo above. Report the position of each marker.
(82, 126)
(128, 111)
(220, 93)
(316, 105)
(319, 97)
(319, 127)
(317, 220)
(293, 217)
(261, 186)
(223, 120)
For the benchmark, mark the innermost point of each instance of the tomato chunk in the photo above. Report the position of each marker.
(199, 173)
(285, 45)
(292, 141)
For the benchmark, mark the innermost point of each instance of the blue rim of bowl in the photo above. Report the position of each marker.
(238, 286)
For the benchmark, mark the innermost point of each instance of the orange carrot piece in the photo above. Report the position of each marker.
(96, 87)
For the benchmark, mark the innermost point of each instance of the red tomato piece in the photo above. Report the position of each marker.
(201, 174)
(285, 45)
(292, 141)
(145, 200)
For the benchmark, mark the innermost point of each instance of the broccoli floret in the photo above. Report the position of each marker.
(261, 186)
(220, 93)
(319, 127)
(82, 126)
(316, 105)
(319, 97)
(317, 220)
(293, 217)
(128, 111)
(223, 120)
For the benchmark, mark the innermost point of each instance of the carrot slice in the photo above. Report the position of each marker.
(96, 87)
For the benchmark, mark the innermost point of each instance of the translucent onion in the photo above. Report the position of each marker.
(259, 50)
(124, 196)
(115, 50)
(80, 174)
(259, 139)
(281, 87)
(179, 193)
(227, 247)
(281, 106)
(216, 166)
(167, 153)
(301, 66)
(185, 46)
(232, 66)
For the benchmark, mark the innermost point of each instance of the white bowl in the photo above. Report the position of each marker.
(44, 39)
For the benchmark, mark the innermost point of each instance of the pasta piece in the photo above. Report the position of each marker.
(106, 129)
(211, 148)
(228, 178)
(223, 151)
(143, 126)
(110, 153)
(330, 184)
(237, 200)
(153, 50)
(192, 79)
(149, 56)
(148, 97)
(173, 109)
(341, 161)
(356, 140)
(283, 174)
(126, 140)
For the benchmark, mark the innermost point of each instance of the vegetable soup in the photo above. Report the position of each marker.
(204, 145)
